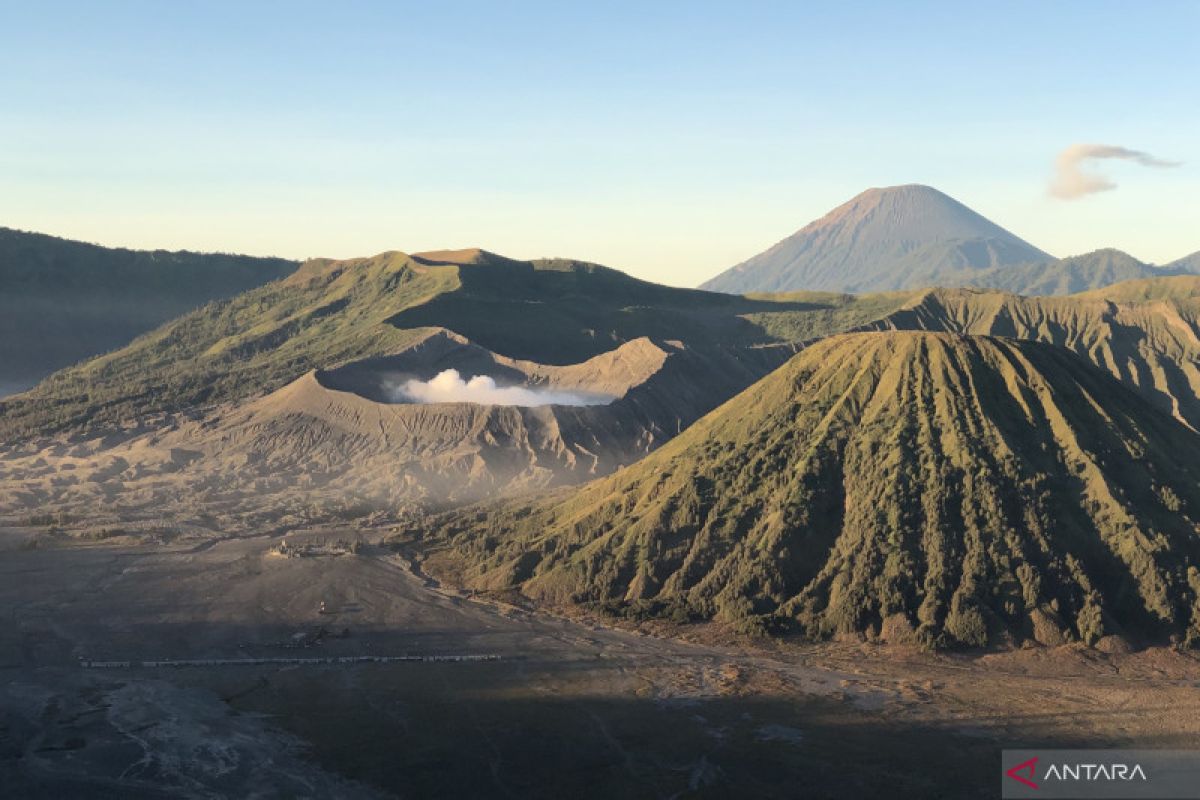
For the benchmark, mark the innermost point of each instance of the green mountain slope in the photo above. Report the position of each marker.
(1145, 333)
(954, 490)
(331, 312)
(63, 301)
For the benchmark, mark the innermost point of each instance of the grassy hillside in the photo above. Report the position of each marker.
(945, 489)
(561, 311)
(329, 312)
(63, 301)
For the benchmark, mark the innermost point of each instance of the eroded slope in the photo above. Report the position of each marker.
(949, 489)
(1145, 333)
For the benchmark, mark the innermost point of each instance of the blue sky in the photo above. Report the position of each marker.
(667, 139)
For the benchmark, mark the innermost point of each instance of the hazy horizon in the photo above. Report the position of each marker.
(670, 142)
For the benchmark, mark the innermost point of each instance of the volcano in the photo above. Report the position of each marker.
(908, 486)
(886, 238)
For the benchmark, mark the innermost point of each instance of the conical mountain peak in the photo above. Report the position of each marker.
(884, 238)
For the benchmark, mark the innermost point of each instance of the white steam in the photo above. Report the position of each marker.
(449, 387)
(1072, 181)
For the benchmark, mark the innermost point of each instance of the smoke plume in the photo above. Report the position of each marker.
(449, 387)
(1072, 181)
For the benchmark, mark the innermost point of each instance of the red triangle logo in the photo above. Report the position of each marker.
(1029, 765)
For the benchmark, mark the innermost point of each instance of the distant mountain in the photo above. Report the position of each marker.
(944, 489)
(891, 238)
(329, 313)
(1187, 264)
(1180, 292)
(1065, 276)
(63, 301)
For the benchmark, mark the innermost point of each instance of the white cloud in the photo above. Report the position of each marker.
(1072, 181)
(448, 386)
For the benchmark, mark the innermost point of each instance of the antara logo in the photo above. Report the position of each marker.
(1026, 772)
(1030, 766)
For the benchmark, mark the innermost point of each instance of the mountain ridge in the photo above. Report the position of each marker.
(62, 301)
(1146, 334)
(332, 312)
(1189, 263)
(1070, 275)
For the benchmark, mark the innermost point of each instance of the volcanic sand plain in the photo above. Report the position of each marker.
(573, 706)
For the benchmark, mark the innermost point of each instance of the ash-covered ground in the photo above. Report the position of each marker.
(571, 708)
